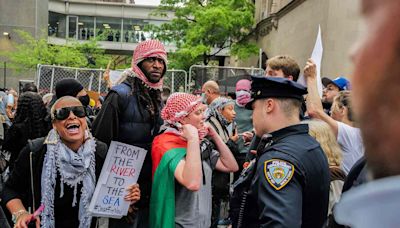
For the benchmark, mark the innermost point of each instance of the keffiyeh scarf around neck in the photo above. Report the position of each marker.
(171, 128)
(137, 73)
(213, 111)
(74, 168)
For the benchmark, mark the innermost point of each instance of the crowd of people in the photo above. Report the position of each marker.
(274, 154)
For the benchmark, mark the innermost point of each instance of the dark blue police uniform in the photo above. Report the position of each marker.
(289, 179)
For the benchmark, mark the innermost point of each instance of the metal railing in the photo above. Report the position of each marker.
(225, 76)
(92, 79)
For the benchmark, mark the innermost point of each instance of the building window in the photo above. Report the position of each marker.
(133, 31)
(85, 28)
(108, 29)
(57, 25)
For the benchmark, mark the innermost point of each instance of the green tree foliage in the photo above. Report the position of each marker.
(31, 52)
(203, 28)
(94, 55)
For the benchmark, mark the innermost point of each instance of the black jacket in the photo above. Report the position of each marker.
(124, 119)
(18, 186)
(290, 186)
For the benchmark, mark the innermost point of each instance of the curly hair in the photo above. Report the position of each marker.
(32, 112)
(322, 132)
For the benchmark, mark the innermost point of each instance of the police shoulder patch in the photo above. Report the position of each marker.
(278, 172)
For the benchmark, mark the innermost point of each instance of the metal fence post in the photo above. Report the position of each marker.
(52, 80)
(37, 79)
(100, 81)
(76, 74)
(190, 78)
(172, 81)
(5, 73)
(186, 82)
(90, 81)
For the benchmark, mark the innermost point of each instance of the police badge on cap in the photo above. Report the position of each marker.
(272, 87)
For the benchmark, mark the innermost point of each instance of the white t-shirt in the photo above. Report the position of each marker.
(350, 141)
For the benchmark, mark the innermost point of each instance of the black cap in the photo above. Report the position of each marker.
(268, 87)
(68, 87)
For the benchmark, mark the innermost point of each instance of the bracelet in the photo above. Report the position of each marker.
(16, 215)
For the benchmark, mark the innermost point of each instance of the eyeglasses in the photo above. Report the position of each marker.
(63, 113)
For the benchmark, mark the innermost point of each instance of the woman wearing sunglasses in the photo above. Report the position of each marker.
(59, 171)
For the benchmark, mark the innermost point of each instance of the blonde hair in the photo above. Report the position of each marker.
(343, 99)
(323, 133)
(53, 108)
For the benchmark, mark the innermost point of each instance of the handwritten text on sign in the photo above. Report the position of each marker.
(121, 169)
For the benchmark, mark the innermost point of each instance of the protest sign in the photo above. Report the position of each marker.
(316, 56)
(121, 169)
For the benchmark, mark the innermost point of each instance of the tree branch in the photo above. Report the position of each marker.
(200, 3)
(189, 19)
(222, 48)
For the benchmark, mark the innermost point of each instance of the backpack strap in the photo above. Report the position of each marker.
(123, 90)
(34, 146)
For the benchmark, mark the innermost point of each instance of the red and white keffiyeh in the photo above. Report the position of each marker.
(147, 49)
(178, 106)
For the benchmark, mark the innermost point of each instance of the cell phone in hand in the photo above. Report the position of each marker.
(32, 224)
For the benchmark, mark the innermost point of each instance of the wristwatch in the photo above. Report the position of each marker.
(17, 214)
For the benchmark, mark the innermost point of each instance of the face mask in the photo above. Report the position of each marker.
(242, 97)
(84, 100)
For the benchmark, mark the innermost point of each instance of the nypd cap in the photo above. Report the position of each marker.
(273, 87)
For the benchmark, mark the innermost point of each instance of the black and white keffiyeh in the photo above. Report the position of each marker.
(74, 168)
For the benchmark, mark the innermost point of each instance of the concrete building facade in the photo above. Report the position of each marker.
(27, 15)
(290, 27)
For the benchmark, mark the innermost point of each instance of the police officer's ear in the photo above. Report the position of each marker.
(270, 104)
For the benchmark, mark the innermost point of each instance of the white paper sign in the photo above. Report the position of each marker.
(121, 169)
(316, 56)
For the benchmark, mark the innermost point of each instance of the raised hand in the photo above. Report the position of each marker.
(189, 132)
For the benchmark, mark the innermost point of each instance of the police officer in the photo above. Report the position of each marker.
(288, 181)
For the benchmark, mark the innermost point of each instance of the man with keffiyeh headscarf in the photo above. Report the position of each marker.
(131, 114)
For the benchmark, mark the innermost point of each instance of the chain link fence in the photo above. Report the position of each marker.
(92, 79)
(176, 80)
(225, 76)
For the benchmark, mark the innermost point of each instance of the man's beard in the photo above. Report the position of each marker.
(326, 105)
(148, 75)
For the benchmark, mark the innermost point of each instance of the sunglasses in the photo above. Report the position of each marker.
(63, 113)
